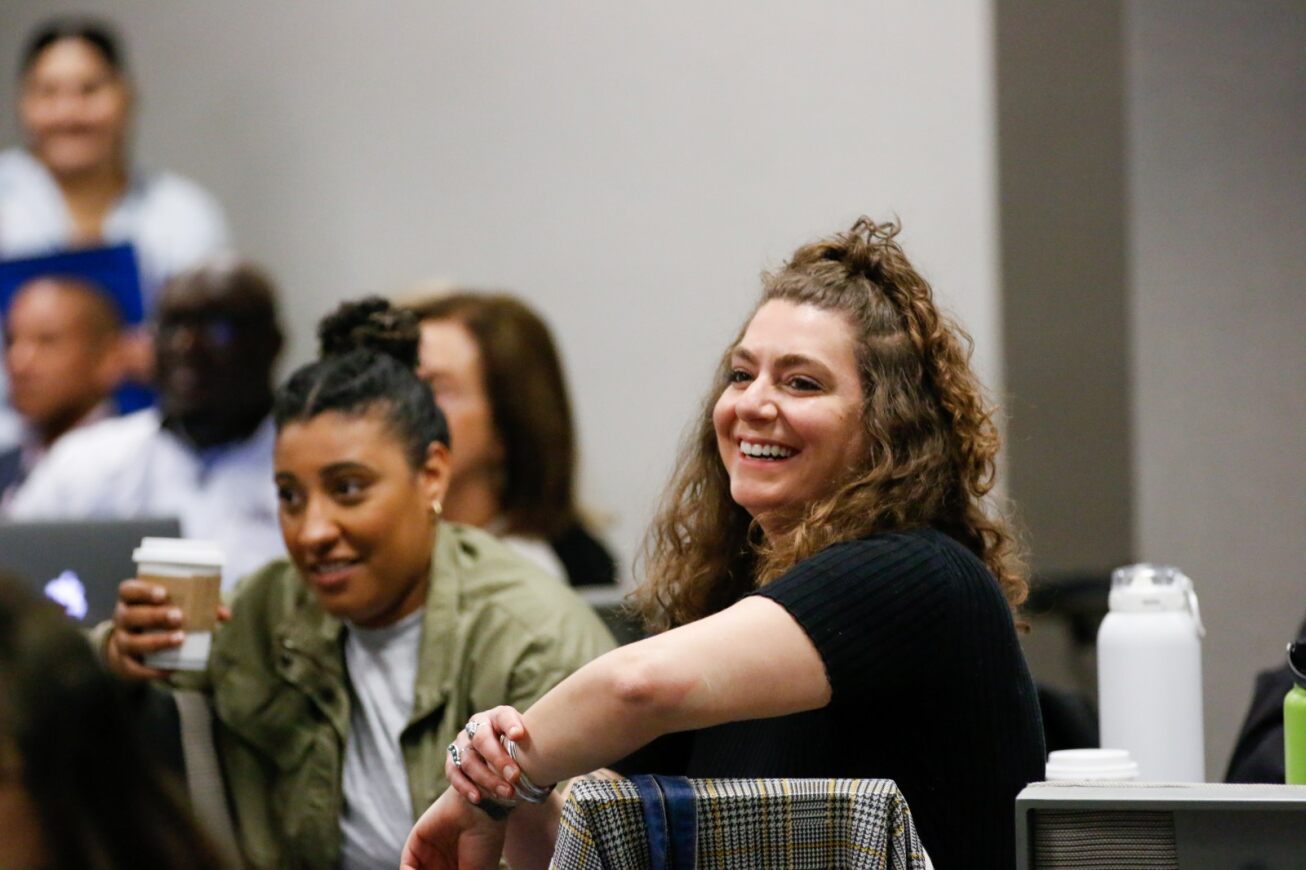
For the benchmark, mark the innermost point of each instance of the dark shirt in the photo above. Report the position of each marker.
(1258, 754)
(584, 557)
(930, 689)
(11, 471)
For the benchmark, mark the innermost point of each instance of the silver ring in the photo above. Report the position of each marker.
(471, 727)
(456, 754)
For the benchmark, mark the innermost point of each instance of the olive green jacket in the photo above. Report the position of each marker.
(497, 630)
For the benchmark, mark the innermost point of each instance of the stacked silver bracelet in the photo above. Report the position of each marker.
(526, 790)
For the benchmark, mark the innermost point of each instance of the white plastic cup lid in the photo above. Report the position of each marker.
(1066, 765)
(179, 551)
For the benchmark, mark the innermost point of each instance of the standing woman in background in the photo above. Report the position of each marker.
(834, 594)
(73, 183)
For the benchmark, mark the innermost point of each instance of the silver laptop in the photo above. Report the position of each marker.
(78, 563)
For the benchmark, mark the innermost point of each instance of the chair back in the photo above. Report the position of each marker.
(643, 823)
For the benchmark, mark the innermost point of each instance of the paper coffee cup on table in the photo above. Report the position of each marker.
(191, 571)
(1102, 765)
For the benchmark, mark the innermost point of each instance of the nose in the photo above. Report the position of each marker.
(317, 526)
(757, 402)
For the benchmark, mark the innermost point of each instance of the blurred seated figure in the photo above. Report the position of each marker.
(205, 454)
(73, 795)
(495, 372)
(63, 356)
(1258, 753)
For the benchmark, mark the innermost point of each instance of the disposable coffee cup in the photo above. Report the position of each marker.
(1100, 765)
(191, 571)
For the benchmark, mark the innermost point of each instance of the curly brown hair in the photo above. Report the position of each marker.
(931, 450)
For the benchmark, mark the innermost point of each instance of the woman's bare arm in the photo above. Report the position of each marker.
(749, 661)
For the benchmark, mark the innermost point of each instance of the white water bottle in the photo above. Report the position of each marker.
(1149, 673)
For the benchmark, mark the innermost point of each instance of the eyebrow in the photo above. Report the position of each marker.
(784, 361)
(344, 467)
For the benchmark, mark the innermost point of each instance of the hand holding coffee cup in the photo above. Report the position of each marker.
(164, 618)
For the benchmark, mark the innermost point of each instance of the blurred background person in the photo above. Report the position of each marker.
(495, 372)
(205, 454)
(63, 356)
(73, 795)
(72, 183)
(345, 671)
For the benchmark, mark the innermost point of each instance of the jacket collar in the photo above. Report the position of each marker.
(319, 633)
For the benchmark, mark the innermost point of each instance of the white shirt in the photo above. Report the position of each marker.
(172, 223)
(132, 467)
(378, 810)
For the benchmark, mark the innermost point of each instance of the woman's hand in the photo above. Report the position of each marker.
(143, 623)
(453, 834)
(486, 766)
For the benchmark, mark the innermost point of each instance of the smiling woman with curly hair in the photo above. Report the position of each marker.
(825, 537)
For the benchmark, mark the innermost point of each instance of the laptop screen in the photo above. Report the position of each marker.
(78, 563)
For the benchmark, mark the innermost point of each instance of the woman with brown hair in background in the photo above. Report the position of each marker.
(834, 595)
(495, 372)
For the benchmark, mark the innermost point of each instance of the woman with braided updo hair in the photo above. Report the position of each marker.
(826, 537)
(342, 674)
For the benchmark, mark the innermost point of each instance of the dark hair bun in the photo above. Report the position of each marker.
(371, 324)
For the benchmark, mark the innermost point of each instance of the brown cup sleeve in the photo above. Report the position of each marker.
(197, 596)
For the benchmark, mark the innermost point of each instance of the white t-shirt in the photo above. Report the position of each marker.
(378, 812)
(172, 222)
(128, 467)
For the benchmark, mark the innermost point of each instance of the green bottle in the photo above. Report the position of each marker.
(1294, 717)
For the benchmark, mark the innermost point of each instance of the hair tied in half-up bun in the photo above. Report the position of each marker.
(371, 324)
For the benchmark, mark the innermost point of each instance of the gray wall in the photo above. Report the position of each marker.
(1217, 161)
(1153, 200)
(1061, 122)
(628, 167)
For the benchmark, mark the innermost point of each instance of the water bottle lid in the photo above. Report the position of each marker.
(1069, 765)
(1297, 662)
(1154, 588)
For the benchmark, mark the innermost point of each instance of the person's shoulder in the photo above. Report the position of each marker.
(263, 600)
(10, 163)
(926, 553)
(922, 543)
(489, 567)
(276, 585)
(180, 209)
(104, 441)
(17, 166)
(494, 577)
(95, 452)
(177, 192)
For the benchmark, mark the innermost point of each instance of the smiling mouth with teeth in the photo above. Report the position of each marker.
(765, 451)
